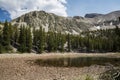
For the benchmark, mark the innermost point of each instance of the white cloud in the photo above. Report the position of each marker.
(19, 7)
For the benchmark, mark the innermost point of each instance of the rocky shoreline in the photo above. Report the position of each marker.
(19, 68)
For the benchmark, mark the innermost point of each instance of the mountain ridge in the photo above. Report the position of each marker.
(92, 15)
(51, 22)
(73, 25)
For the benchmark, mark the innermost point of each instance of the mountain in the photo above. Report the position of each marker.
(92, 15)
(113, 16)
(105, 21)
(100, 18)
(73, 25)
(52, 22)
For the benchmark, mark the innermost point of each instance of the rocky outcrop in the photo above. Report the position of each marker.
(78, 17)
(112, 74)
(52, 22)
(92, 15)
(106, 18)
(106, 21)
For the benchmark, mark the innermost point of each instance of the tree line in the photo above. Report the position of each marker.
(25, 39)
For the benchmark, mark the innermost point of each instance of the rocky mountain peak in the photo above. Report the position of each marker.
(73, 25)
(51, 22)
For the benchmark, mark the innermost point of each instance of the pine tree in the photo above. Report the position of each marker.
(1, 43)
(119, 19)
(28, 39)
(11, 33)
(22, 40)
(69, 42)
(50, 41)
(6, 36)
(41, 40)
(16, 35)
(35, 37)
(56, 39)
(62, 42)
(117, 41)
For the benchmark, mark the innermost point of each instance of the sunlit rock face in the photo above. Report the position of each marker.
(52, 22)
(72, 25)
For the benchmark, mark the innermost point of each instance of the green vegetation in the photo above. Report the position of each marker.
(0, 48)
(39, 40)
(25, 40)
(51, 41)
(69, 42)
(22, 40)
(5, 38)
(88, 77)
(101, 41)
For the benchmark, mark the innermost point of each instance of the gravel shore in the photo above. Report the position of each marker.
(19, 67)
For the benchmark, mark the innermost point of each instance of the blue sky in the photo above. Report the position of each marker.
(81, 7)
(4, 15)
(15, 8)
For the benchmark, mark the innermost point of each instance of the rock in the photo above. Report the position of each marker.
(92, 15)
(78, 17)
(72, 25)
(51, 22)
(112, 74)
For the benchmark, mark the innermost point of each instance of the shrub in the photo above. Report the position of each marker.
(1, 49)
(88, 77)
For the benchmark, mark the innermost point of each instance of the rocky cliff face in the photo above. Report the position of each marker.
(75, 25)
(52, 22)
